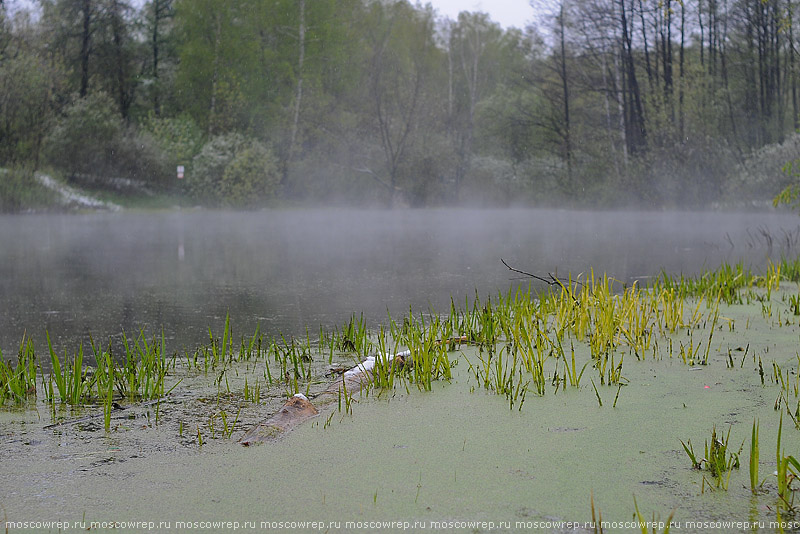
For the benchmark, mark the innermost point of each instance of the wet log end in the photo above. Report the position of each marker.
(293, 412)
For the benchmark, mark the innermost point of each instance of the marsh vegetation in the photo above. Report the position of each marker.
(718, 344)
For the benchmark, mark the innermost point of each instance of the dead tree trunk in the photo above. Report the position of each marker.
(298, 94)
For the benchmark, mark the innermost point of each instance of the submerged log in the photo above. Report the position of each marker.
(299, 408)
(294, 411)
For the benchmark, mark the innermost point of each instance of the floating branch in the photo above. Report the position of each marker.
(552, 280)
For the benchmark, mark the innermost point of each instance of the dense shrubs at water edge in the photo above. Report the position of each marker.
(20, 191)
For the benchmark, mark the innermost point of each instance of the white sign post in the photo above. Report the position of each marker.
(180, 172)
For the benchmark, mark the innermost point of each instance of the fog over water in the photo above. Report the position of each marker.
(101, 274)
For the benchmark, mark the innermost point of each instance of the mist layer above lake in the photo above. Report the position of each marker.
(101, 274)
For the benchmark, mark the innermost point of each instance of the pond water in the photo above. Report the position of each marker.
(100, 274)
(458, 453)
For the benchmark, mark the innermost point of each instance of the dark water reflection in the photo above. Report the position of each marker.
(100, 274)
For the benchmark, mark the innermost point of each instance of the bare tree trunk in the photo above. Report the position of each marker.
(726, 86)
(450, 79)
(157, 6)
(565, 88)
(668, 68)
(713, 37)
(607, 107)
(470, 64)
(619, 87)
(635, 125)
(212, 109)
(298, 95)
(702, 31)
(663, 23)
(780, 102)
(681, 118)
(648, 68)
(395, 139)
(123, 97)
(86, 43)
(792, 71)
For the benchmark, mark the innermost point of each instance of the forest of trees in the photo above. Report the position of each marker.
(596, 102)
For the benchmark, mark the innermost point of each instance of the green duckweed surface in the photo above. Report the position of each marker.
(453, 459)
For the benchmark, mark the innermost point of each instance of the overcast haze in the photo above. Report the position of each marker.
(506, 12)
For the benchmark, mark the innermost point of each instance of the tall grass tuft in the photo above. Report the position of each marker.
(69, 380)
(18, 382)
(718, 459)
(788, 470)
(754, 484)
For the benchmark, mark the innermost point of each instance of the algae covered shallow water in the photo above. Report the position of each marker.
(454, 458)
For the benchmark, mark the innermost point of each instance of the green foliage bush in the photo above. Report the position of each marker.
(91, 139)
(29, 87)
(179, 137)
(232, 170)
(251, 178)
(84, 139)
(140, 157)
(205, 176)
(19, 191)
(768, 170)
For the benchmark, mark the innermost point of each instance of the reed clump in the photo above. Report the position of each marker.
(18, 381)
(718, 459)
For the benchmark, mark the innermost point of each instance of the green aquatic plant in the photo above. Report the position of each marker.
(69, 381)
(597, 394)
(482, 324)
(141, 375)
(429, 357)
(790, 269)
(217, 350)
(654, 523)
(387, 368)
(534, 350)
(671, 310)
(571, 370)
(105, 381)
(354, 337)
(348, 398)
(328, 420)
(293, 357)
(18, 382)
(252, 393)
(597, 517)
(727, 281)
(251, 349)
(718, 459)
(788, 470)
(502, 374)
(227, 429)
(687, 446)
(794, 304)
(145, 367)
(754, 484)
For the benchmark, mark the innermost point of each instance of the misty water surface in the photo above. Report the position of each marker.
(101, 274)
